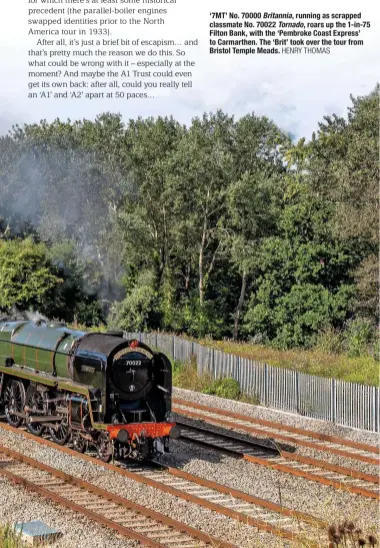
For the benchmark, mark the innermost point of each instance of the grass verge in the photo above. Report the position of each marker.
(363, 369)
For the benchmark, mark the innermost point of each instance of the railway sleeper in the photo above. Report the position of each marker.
(136, 519)
(168, 539)
(148, 530)
(94, 505)
(188, 545)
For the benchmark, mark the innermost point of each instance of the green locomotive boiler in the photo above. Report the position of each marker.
(87, 389)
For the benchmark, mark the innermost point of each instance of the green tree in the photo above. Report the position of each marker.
(136, 312)
(146, 222)
(27, 277)
(304, 283)
(145, 210)
(254, 197)
(341, 164)
(200, 176)
(194, 228)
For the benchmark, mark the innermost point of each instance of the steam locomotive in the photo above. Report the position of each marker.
(88, 389)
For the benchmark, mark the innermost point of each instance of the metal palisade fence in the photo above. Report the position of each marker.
(344, 403)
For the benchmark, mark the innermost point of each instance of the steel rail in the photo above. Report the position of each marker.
(274, 463)
(155, 483)
(230, 437)
(273, 435)
(106, 496)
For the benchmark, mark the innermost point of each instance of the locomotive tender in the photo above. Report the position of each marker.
(90, 389)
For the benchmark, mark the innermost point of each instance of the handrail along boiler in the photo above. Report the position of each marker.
(90, 389)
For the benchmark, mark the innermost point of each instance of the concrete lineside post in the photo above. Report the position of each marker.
(375, 409)
(198, 357)
(298, 400)
(333, 401)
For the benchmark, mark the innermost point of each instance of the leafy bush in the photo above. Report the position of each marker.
(196, 320)
(224, 388)
(88, 312)
(27, 277)
(294, 319)
(360, 335)
(137, 311)
(76, 299)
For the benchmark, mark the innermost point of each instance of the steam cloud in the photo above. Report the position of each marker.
(64, 195)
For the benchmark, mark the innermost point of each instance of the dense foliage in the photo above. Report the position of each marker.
(224, 228)
(27, 278)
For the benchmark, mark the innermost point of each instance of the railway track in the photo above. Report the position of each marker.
(261, 514)
(321, 442)
(122, 515)
(316, 470)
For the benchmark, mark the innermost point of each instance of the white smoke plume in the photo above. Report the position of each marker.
(65, 194)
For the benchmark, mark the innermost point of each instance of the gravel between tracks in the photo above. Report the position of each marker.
(318, 500)
(17, 507)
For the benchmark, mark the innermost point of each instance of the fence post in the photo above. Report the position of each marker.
(266, 387)
(333, 400)
(375, 405)
(173, 352)
(298, 391)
